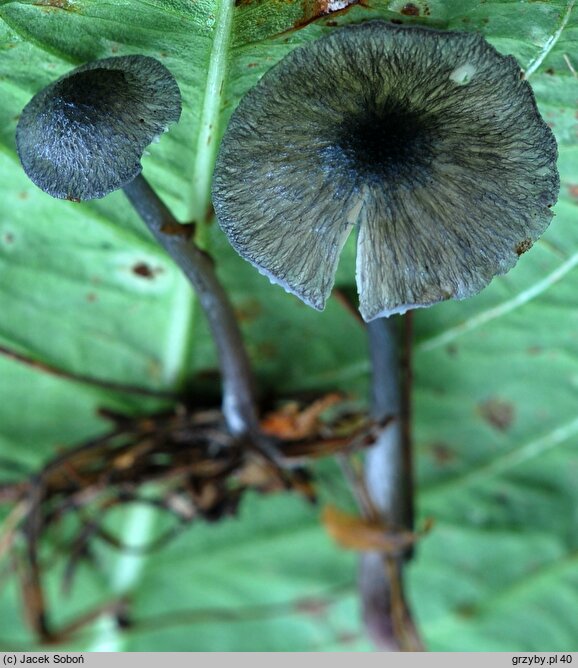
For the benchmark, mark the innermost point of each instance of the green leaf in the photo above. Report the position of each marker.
(89, 305)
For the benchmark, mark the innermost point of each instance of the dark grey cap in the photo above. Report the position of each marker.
(83, 136)
(428, 142)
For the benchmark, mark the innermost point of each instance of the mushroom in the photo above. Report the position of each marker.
(83, 137)
(428, 142)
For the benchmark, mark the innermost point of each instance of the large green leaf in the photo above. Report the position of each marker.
(496, 377)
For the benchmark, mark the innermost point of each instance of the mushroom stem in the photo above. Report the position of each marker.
(388, 482)
(387, 476)
(239, 406)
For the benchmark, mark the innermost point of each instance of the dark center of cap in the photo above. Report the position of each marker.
(91, 93)
(384, 143)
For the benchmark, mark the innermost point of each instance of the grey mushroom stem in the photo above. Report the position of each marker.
(386, 472)
(239, 406)
(388, 483)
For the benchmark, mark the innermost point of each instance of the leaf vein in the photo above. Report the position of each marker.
(550, 42)
(501, 309)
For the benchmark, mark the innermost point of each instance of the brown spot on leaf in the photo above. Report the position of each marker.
(267, 350)
(315, 9)
(466, 611)
(573, 190)
(497, 412)
(144, 270)
(23, 195)
(316, 607)
(550, 71)
(248, 310)
(347, 637)
(410, 10)
(8, 238)
(443, 454)
(91, 297)
(524, 246)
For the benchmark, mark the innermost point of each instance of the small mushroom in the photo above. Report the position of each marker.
(428, 142)
(83, 137)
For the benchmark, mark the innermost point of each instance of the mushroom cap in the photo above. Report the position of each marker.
(428, 142)
(83, 136)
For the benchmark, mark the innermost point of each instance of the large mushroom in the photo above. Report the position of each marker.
(429, 143)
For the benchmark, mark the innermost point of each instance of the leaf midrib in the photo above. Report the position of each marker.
(206, 146)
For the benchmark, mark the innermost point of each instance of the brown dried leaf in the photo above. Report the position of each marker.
(290, 423)
(356, 533)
